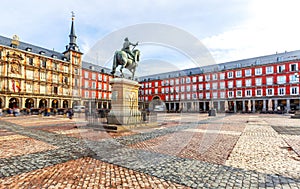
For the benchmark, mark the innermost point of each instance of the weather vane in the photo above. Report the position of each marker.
(73, 15)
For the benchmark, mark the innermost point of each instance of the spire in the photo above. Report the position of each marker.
(72, 44)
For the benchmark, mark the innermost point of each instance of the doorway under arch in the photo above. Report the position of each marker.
(29, 103)
(13, 103)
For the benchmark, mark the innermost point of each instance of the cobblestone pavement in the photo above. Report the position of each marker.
(187, 151)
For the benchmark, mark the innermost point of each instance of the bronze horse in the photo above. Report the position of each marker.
(121, 59)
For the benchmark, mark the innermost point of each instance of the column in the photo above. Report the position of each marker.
(244, 106)
(288, 105)
(275, 104)
(234, 106)
(22, 105)
(219, 106)
(264, 105)
(253, 106)
(204, 106)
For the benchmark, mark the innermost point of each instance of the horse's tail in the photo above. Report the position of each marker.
(114, 63)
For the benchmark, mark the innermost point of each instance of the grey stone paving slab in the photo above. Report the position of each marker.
(189, 172)
(284, 130)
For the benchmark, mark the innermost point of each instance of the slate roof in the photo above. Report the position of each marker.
(34, 49)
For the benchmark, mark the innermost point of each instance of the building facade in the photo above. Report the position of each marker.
(35, 77)
(96, 90)
(261, 84)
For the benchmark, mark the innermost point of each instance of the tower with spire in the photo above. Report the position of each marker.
(74, 57)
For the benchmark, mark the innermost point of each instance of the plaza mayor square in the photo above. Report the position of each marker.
(191, 94)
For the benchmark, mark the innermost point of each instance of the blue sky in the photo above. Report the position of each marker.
(230, 30)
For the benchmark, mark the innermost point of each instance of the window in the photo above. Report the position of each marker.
(86, 84)
(194, 79)
(293, 79)
(182, 89)
(43, 77)
(188, 96)
(200, 95)
(230, 94)
(258, 81)
(93, 94)
(230, 84)
(104, 78)
(182, 80)
(156, 91)
(167, 98)
(239, 83)
(258, 71)
(239, 93)
(43, 63)
(29, 74)
(222, 76)
(66, 69)
(222, 94)
(55, 90)
(93, 85)
(182, 96)
(188, 80)
(207, 77)
(230, 74)
(207, 86)
(215, 95)
(248, 72)
(194, 88)
(99, 85)
(200, 86)
(281, 79)
(281, 91)
(86, 75)
(28, 87)
(105, 86)
(207, 95)
(280, 68)
(215, 76)
(188, 88)
(93, 76)
(238, 73)
(100, 77)
(215, 85)
(76, 82)
(269, 70)
(269, 80)
(293, 67)
(200, 78)
(156, 84)
(30, 61)
(222, 85)
(55, 78)
(270, 92)
(194, 96)
(248, 93)
(258, 92)
(294, 90)
(177, 81)
(86, 94)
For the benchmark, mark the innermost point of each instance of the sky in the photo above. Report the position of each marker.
(171, 34)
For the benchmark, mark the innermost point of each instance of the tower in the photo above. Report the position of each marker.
(74, 57)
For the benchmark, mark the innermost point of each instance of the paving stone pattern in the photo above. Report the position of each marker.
(157, 170)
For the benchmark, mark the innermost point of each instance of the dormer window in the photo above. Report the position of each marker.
(28, 49)
(64, 58)
(54, 56)
(42, 52)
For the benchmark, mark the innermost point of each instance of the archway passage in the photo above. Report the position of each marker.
(13, 103)
(43, 103)
(29, 103)
(65, 104)
(1, 103)
(75, 103)
(54, 103)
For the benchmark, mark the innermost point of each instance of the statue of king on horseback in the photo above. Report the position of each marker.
(126, 58)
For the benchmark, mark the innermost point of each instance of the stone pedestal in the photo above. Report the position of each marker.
(124, 102)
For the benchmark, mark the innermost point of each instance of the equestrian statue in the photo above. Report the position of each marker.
(126, 58)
